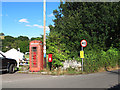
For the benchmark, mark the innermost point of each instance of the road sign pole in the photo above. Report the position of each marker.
(82, 60)
(83, 44)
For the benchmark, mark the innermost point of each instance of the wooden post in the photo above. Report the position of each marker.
(44, 38)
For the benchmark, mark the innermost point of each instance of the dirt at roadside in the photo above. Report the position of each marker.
(109, 69)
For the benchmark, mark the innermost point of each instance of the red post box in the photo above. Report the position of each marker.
(36, 56)
(49, 57)
(50, 60)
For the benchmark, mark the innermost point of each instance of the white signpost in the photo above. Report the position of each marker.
(83, 44)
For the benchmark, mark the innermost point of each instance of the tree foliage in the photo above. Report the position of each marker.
(98, 23)
(1, 34)
(21, 42)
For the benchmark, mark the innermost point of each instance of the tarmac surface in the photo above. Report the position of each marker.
(95, 80)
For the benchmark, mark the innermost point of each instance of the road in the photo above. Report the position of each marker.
(94, 80)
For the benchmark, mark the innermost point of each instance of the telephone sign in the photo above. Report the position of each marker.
(83, 43)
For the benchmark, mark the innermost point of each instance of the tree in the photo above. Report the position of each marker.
(23, 38)
(10, 42)
(37, 38)
(98, 23)
(24, 46)
(9, 39)
(2, 34)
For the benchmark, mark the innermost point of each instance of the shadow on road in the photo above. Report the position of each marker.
(117, 87)
(114, 72)
(5, 72)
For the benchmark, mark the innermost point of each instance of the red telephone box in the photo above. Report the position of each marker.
(36, 56)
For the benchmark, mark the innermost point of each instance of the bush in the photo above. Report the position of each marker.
(112, 53)
(96, 59)
(91, 61)
(57, 55)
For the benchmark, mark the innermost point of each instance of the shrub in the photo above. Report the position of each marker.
(96, 59)
(112, 53)
(91, 61)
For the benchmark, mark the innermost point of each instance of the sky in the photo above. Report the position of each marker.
(26, 18)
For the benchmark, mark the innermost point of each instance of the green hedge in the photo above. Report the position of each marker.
(96, 59)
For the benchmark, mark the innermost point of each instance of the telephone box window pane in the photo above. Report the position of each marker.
(34, 49)
(34, 56)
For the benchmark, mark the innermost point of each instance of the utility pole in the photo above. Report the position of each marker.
(44, 38)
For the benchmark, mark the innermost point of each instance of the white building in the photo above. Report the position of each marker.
(2, 53)
(14, 54)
